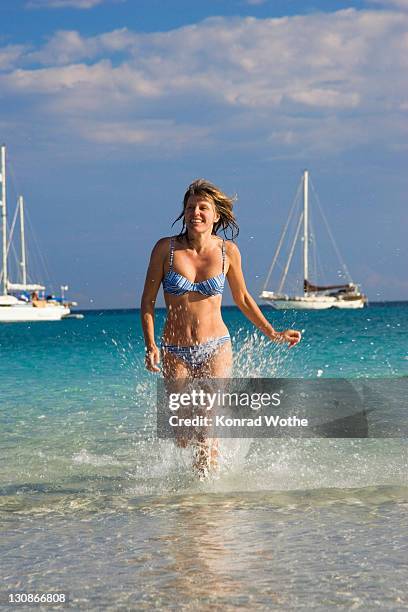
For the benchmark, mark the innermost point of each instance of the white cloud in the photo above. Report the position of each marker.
(85, 82)
(68, 46)
(11, 55)
(390, 4)
(79, 4)
(326, 98)
(336, 80)
(148, 133)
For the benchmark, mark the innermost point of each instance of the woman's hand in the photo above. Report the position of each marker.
(152, 358)
(290, 336)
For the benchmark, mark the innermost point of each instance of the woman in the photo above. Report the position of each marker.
(193, 267)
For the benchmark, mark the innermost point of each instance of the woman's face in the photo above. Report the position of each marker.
(200, 214)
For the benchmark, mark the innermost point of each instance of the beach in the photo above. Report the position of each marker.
(95, 506)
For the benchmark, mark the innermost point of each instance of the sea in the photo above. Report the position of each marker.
(94, 506)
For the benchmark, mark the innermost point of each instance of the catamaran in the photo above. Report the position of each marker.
(314, 297)
(23, 300)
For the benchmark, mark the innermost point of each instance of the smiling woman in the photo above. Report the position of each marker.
(193, 267)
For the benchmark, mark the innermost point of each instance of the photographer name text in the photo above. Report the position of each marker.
(224, 421)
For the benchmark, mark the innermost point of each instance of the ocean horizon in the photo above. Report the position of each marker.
(262, 306)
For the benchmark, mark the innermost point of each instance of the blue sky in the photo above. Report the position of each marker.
(110, 108)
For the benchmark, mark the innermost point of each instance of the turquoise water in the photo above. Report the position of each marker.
(91, 503)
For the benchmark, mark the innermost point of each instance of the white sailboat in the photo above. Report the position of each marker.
(23, 301)
(314, 297)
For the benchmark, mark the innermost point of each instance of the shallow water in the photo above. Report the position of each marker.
(311, 549)
(92, 504)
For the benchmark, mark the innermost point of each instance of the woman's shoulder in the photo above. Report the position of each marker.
(163, 243)
(162, 247)
(231, 248)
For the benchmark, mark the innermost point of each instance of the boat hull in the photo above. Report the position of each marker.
(28, 313)
(309, 302)
(350, 304)
(301, 304)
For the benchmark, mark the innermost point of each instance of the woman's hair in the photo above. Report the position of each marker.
(223, 205)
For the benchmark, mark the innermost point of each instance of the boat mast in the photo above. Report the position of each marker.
(23, 262)
(305, 227)
(4, 215)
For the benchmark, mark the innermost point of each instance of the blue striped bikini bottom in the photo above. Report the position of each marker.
(197, 355)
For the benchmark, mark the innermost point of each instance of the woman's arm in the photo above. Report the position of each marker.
(247, 304)
(154, 277)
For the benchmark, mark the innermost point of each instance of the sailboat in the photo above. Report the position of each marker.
(314, 297)
(24, 300)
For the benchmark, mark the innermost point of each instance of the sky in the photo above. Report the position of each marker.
(110, 108)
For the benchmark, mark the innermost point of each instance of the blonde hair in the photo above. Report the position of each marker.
(223, 205)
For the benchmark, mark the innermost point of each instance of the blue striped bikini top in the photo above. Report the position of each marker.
(177, 284)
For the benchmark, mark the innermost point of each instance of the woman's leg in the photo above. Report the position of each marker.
(219, 365)
(176, 373)
(174, 367)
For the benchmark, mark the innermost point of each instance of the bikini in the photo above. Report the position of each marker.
(196, 355)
